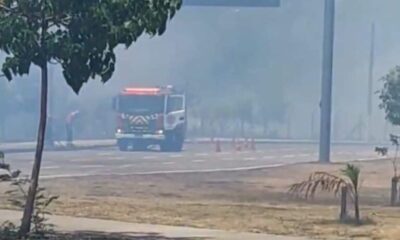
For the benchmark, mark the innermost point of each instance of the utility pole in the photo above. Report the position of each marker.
(370, 82)
(327, 71)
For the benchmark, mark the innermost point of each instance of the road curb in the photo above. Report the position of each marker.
(56, 149)
(189, 141)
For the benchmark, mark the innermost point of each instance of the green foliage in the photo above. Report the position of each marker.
(8, 231)
(383, 151)
(352, 173)
(390, 96)
(80, 35)
(16, 197)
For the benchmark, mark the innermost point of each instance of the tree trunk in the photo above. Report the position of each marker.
(30, 201)
(356, 207)
(393, 192)
(343, 205)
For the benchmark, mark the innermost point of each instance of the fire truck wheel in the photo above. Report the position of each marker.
(173, 143)
(122, 145)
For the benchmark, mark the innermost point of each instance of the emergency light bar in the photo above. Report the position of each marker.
(146, 91)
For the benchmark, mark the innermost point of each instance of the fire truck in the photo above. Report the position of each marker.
(150, 116)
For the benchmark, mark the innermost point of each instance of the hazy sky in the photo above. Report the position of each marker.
(278, 46)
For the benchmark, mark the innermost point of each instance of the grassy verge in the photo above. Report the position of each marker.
(253, 201)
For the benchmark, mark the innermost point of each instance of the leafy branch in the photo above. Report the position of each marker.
(17, 198)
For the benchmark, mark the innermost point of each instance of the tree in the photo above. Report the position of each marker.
(79, 35)
(390, 103)
(390, 96)
(331, 183)
(383, 151)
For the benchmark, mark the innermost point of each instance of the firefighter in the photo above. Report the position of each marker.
(69, 124)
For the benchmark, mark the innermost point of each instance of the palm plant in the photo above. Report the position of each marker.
(327, 182)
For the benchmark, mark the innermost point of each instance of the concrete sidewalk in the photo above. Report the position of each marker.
(142, 231)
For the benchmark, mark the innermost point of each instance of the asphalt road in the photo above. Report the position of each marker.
(195, 158)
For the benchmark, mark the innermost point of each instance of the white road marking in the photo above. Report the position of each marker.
(116, 158)
(202, 154)
(168, 163)
(198, 161)
(126, 166)
(289, 156)
(250, 159)
(304, 155)
(228, 159)
(92, 166)
(269, 157)
(50, 167)
(150, 157)
(175, 172)
(176, 156)
(81, 160)
(105, 154)
(370, 159)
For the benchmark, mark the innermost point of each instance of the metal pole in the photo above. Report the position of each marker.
(327, 66)
(370, 81)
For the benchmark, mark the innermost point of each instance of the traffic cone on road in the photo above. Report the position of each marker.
(218, 146)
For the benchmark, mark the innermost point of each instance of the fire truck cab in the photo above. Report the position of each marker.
(150, 116)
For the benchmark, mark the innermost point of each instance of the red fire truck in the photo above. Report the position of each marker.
(150, 116)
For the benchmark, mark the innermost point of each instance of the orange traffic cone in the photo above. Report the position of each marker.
(218, 146)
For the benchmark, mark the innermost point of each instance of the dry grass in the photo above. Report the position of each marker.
(255, 201)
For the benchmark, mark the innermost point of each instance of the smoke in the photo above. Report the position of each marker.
(271, 54)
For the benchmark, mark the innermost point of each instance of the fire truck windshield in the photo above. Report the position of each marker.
(141, 104)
